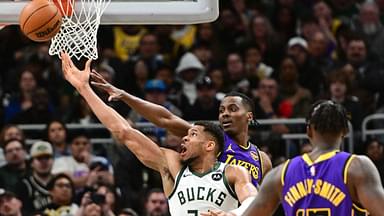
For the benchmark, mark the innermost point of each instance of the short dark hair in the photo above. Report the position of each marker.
(51, 183)
(245, 100)
(215, 131)
(79, 133)
(151, 191)
(14, 140)
(329, 117)
(48, 125)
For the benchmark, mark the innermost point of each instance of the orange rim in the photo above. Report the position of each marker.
(67, 9)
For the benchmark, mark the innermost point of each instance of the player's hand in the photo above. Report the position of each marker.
(72, 74)
(98, 81)
(217, 213)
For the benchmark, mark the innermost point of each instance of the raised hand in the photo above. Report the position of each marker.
(99, 82)
(78, 78)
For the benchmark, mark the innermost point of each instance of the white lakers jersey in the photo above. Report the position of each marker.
(195, 193)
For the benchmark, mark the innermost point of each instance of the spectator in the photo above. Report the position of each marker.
(111, 200)
(56, 133)
(126, 39)
(269, 104)
(17, 166)
(91, 205)
(11, 131)
(10, 205)
(155, 92)
(62, 192)
(23, 100)
(339, 90)
(41, 111)
(328, 24)
(156, 203)
(318, 50)
(207, 35)
(230, 30)
(267, 99)
(343, 35)
(188, 72)
(369, 26)
(376, 153)
(284, 21)
(8, 132)
(166, 74)
(204, 54)
(255, 69)
(235, 70)
(149, 52)
(366, 76)
(77, 165)
(141, 76)
(206, 106)
(32, 190)
(309, 26)
(310, 76)
(127, 212)
(171, 48)
(219, 82)
(262, 32)
(296, 97)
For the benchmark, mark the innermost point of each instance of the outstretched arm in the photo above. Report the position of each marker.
(144, 149)
(364, 181)
(241, 180)
(154, 113)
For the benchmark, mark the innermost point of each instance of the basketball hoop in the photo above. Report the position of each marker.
(78, 33)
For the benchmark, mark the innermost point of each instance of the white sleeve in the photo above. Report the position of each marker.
(60, 165)
(244, 206)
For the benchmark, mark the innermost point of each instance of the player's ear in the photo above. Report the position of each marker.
(250, 116)
(211, 145)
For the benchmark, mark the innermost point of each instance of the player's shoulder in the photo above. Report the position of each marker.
(359, 164)
(359, 168)
(233, 172)
(230, 168)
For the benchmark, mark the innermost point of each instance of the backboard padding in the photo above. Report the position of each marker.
(137, 12)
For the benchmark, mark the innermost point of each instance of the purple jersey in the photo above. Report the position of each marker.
(248, 157)
(318, 188)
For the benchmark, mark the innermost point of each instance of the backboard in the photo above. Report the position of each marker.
(136, 11)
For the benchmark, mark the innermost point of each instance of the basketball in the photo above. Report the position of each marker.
(40, 20)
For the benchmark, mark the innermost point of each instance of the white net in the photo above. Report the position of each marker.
(78, 33)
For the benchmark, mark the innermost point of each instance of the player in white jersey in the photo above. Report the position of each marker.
(196, 160)
(193, 190)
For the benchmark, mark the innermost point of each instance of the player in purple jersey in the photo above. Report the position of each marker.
(235, 114)
(324, 182)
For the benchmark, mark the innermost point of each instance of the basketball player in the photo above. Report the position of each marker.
(235, 115)
(193, 180)
(324, 182)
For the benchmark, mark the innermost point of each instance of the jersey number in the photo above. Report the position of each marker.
(193, 212)
(314, 212)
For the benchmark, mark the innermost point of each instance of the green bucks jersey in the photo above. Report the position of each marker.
(194, 193)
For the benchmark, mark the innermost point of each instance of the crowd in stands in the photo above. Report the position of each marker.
(283, 54)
